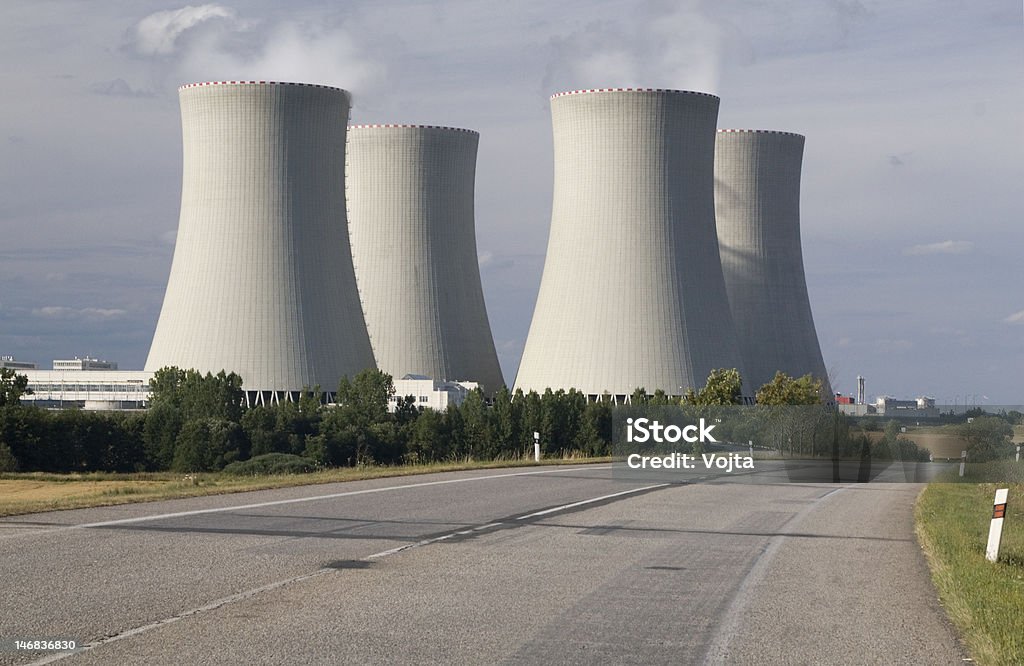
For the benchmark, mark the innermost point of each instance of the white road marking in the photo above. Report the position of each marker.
(729, 625)
(241, 596)
(481, 528)
(590, 501)
(296, 500)
(213, 605)
(427, 542)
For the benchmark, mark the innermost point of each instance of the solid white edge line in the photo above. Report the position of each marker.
(590, 501)
(296, 500)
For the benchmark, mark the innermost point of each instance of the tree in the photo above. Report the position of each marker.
(785, 390)
(988, 438)
(178, 397)
(723, 387)
(12, 387)
(206, 445)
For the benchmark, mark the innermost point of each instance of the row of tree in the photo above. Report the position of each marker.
(198, 422)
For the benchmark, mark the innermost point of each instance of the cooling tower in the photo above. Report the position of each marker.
(632, 293)
(262, 281)
(757, 207)
(410, 206)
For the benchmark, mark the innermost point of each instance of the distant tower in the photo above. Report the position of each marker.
(410, 208)
(757, 209)
(860, 390)
(262, 281)
(632, 294)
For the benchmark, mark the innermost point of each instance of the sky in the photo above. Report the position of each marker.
(912, 209)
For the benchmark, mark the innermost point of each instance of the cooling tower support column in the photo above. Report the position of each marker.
(262, 281)
(632, 294)
(410, 195)
(757, 206)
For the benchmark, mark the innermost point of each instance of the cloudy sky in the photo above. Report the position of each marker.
(913, 203)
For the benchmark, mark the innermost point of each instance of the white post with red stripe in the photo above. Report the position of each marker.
(995, 530)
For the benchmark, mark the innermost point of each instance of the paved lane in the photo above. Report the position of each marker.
(782, 573)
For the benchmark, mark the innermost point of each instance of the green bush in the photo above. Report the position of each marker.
(8, 463)
(271, 463)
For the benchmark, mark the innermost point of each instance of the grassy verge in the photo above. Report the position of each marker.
(985, 600)
(34, 492)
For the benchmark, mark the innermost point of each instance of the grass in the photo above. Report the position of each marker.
(984, 600)
(35, 492)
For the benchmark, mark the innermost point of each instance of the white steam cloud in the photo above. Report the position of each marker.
(158, 33)
(234, 48)
(681, 48)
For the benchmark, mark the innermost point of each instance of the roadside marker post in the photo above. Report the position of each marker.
(995, 530)
(536, 446)
(1018, 453)
(963, 462)
(750, 442)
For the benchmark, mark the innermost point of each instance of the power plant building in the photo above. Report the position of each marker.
(632, 294)
(757, 209)
(262, 282)
(410, 194)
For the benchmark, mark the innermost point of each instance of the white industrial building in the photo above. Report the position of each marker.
(409, 190)
(9, 362)
(87, 363)
(88, 389)
(632, 294)
(262, 281)
(430, 393)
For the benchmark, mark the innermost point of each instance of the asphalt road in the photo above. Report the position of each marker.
(545, 565)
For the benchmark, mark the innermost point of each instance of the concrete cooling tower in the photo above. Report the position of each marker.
(757, 206)
(410, 207)
(632, 293)
(262, 281)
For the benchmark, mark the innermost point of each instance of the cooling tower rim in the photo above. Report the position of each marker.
(759, 131)
(409, 126)
(261, 83)
(639, 90)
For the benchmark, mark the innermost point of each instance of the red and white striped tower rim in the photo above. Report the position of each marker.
(408, 126)
(639, 90)
(262, 83)
(759, 131)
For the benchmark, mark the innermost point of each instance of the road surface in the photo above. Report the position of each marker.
(538, 565)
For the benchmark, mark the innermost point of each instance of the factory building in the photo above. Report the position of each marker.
(410, 190)
(632, 294)
(430, 393)
(757, 211)
(87, 363)
(262, 281)
(92, 389)
(11, 363)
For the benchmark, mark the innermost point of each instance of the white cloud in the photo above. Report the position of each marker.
(87, 314)
(944, 247)
(487, 260)
(158, 33)
(1015, 318)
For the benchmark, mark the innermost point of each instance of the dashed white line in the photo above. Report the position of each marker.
(590, 501)
(316, 498)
